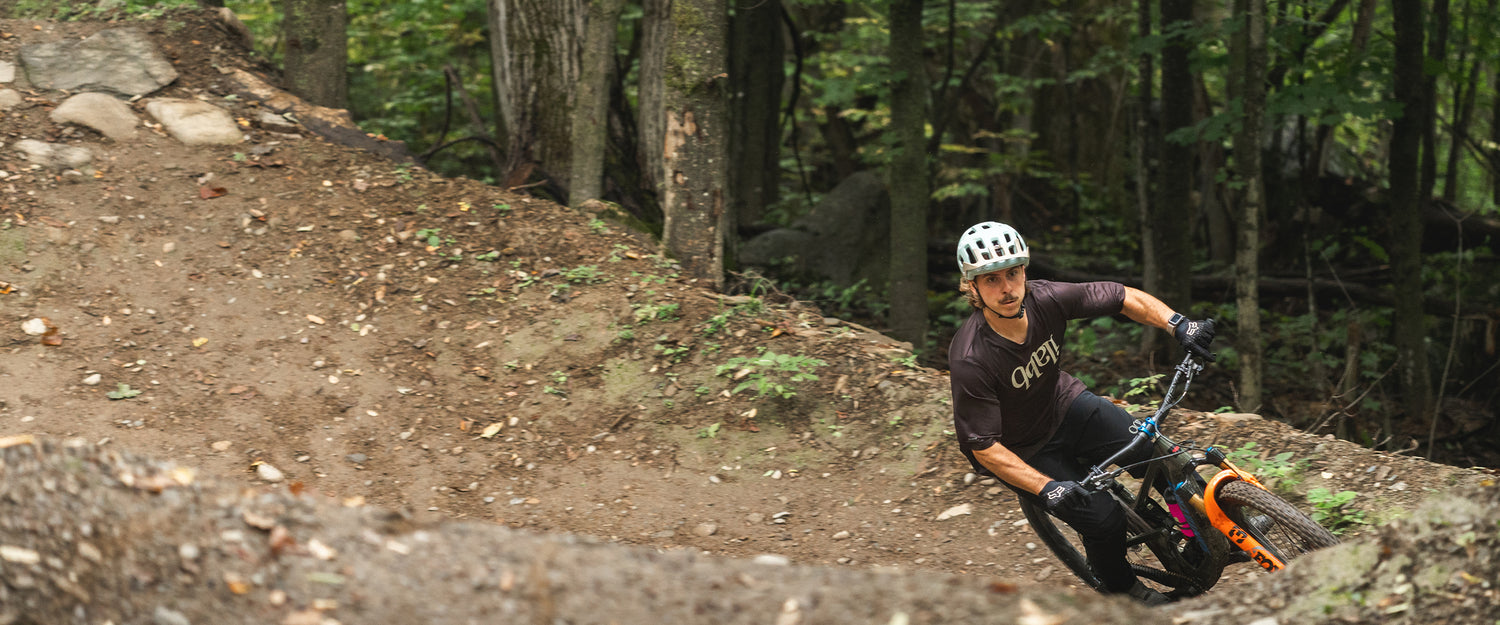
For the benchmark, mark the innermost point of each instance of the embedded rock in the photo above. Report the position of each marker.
(195, 122)
(120, 60)
(55, 155)
(99, 111)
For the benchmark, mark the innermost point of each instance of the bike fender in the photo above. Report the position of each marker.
(1229, 528)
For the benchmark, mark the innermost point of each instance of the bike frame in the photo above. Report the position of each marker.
(1179, 465)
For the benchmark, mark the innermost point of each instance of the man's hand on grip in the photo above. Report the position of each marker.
(1196, 336)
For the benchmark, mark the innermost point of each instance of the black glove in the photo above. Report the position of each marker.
(1196, 336)
(1063, 496)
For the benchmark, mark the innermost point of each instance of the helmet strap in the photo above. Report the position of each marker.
(1020, 313)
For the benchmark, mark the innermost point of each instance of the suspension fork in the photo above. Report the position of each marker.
(1209, 506)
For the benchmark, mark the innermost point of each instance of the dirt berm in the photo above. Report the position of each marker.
(94, 535)
(97, 535)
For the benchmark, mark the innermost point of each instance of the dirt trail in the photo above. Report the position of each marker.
(370, 334)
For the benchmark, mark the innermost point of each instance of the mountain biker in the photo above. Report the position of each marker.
(1020, 418)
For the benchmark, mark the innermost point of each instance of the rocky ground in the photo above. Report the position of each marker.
(457, 402)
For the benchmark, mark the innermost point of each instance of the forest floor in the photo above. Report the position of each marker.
(303, 322)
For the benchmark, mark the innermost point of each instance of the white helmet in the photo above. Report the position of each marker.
(990, 246)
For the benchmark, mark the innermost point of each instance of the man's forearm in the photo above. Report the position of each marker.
(1144, 308)
(1006, 465)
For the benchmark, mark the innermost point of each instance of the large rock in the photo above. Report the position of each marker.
(99, 111)
(9, 99)
(195, 122)
(843, 238)
(55, 155)
(121, 60)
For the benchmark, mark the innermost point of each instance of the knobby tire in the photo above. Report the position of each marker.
(1290, 533)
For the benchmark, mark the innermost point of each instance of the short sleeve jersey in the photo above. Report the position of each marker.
(1016, 393)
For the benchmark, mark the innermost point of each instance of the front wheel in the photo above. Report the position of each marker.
(1276, 524)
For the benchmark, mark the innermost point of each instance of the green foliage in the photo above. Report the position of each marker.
(672, 352)
(1332, 510)
(1136, 387)
(1279, 471)
(655, 311)
(585, 274)
(430, 236)
(711, 431)
(122, 391)
(770, 373)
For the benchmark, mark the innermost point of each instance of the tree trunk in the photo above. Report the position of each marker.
(1495, 138)
(1248, 75)
(907, 176)
(650, 122)
(536, 59)
(1405, 208)
(695, 150)
(316, 64)
(1437, 49)
(590, 124)
(1145, 154)
(1173, 211)
(756, 75)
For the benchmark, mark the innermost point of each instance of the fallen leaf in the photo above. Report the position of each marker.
(257, 520)
(55, 223)
(200, 341)
(209, 193)
(281, 540)
(491, 430)
(236, 585)
(320, 550)
(238, 389)
(52, 340)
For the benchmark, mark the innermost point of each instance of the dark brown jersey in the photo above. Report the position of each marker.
(1016, 393)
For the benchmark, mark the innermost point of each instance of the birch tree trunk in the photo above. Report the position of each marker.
(695, 141)
(908, 176)
(316, 65)
(1248, 77)
(590, 124)
(536, 58)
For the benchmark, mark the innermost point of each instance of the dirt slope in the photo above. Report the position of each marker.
(387, 338)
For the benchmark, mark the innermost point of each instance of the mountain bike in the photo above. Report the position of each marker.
(1184, 528)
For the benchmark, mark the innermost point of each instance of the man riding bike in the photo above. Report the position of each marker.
(1019, 417)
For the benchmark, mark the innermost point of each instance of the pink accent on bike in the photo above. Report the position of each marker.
(1176, 510)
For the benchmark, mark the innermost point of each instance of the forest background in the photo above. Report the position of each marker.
(1318, 175)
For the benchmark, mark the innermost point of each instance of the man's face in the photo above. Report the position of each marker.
(1002, 290)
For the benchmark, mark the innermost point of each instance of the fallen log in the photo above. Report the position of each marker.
(335, 125)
